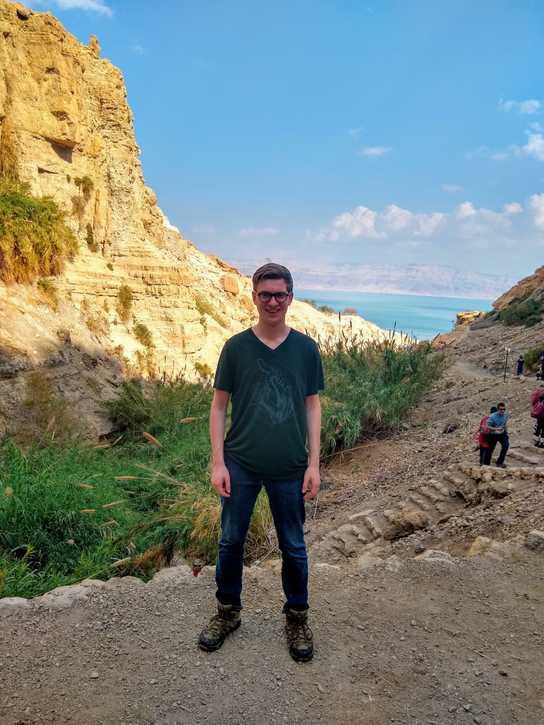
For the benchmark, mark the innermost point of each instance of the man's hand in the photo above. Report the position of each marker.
(221, 479)
(310, 485)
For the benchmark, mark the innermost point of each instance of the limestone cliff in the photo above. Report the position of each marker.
(66, 122)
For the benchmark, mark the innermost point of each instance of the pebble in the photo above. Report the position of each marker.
(504, 673)
(94, 675)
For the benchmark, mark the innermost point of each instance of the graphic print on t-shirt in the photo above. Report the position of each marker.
(273, 396)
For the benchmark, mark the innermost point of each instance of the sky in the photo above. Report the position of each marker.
(337, 131)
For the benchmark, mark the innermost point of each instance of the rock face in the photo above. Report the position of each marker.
(67, 125)
(531, 286)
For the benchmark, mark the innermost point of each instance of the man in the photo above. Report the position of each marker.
(273, 375)
(497, 425)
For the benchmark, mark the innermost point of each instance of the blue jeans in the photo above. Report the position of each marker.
(287, 506)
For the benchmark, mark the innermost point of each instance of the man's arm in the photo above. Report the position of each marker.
(218, 413)
(310, 485)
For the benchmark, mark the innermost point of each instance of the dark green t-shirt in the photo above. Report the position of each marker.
(268, 388)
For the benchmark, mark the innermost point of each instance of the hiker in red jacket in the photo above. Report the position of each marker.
(483, 440)
(537, 411)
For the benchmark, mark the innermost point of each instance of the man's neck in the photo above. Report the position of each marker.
(278, 331)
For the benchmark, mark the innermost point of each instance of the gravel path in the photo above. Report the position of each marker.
(436, 640)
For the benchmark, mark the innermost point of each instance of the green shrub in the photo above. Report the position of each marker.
(49, 417)
(34, 239)
(532, 355)
(204, 370)
(326, 309)
(524, 312)
(142, 333)
(370, 387)
(124, 302)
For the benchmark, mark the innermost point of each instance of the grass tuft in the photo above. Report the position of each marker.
(34, 238)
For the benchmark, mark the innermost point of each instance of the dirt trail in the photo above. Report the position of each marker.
(404, 633)
(434, 640)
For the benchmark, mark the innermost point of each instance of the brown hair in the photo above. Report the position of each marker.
(273, 271)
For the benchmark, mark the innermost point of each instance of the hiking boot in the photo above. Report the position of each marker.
(219, 627)
(501, 465)
(299, 635)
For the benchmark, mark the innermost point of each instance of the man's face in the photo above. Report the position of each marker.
(272, 300)
(502, 409)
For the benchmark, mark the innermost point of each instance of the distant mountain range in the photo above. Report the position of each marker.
(417, 279)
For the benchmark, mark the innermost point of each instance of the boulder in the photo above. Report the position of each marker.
(535, 541)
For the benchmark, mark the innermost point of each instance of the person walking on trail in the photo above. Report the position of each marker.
(537, 411)
(497, 424)
(482, 439)
(540, 373)
(273, 375)
(519, 366)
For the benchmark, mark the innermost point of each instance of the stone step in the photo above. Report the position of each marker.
(440, 487)
(431, 494)
(373, 526)
(456, 479)
(518, 456)
(420, 502)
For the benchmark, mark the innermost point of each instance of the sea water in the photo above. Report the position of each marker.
(419, 316)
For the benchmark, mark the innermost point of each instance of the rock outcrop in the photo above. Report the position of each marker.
(67, 129)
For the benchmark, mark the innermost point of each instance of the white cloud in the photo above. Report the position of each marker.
(360, 223)
(374, 151)
(475, 225)
(258, 232)
(451, 188)
(529, 106)
(537, 205)
(534, 147)
(97, 6)
(427, 224)
(465, 210)
(138, 49)
(395, 218)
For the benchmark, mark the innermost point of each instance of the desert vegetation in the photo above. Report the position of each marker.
(123, 506)
(526, 312)
(124, 303)
(34, 238)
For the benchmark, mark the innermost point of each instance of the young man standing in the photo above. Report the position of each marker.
(273, 375)
(497, 425)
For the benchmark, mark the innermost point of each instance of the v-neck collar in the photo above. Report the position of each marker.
(271, 349)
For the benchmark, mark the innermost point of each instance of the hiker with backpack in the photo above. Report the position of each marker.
(482, 439)
(537, 411)
(497, 425)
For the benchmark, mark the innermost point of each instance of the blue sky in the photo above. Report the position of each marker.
(350, 131)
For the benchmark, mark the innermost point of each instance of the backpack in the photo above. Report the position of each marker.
(537, 411)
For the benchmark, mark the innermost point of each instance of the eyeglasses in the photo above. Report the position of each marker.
(280, 297)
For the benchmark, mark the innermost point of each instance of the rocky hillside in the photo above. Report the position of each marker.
(529, 287)
(138, 295)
